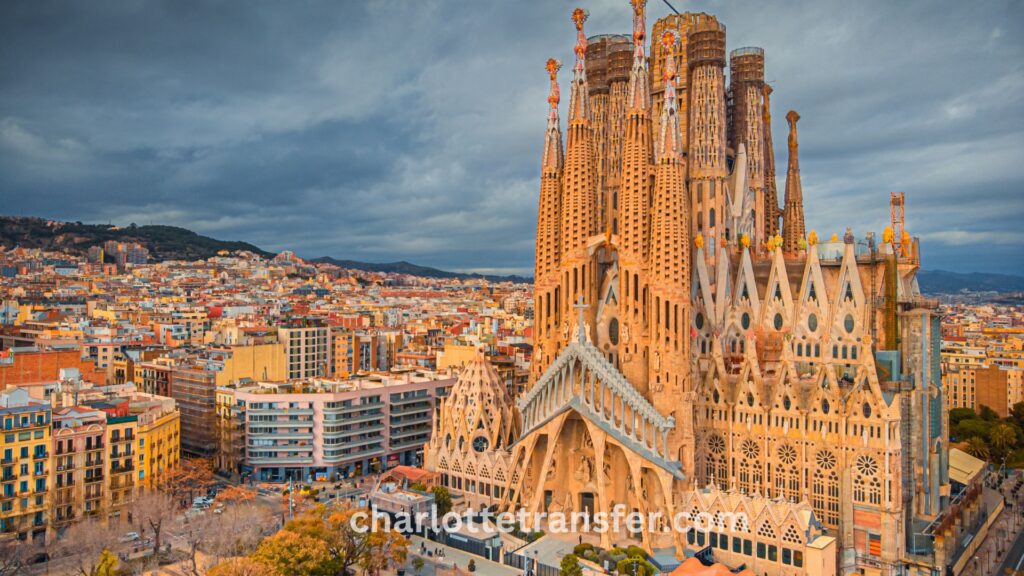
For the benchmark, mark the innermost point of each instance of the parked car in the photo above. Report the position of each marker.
(130, 537)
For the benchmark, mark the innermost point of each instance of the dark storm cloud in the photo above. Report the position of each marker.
(400, 129)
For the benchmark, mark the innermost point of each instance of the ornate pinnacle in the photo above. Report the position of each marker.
(792, 117)
(579, 16)
(553, 66)
(639, 21)
(668, 41)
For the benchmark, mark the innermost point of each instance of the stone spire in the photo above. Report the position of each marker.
(579, 194)
(634, 213)
(793, 215)
(549, 211)
(549, 232)
(771, 194)
(670, 248)
(638, 94)
(578, 93)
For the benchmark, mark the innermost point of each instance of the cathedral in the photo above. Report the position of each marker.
(695, 342)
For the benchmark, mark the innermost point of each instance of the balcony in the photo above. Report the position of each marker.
(410, 400)
(41, 456)
(280, 411)
(353, 408)
(95, 478)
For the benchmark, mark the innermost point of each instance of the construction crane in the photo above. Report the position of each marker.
(898, 230)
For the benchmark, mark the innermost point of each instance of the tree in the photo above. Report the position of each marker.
(153, 511)
(472, 565)
(238, 530)
(384, 547)
(635, 566)
(442, 500)
(417, 564)
(1003, 436)
(570, 566)
(107, 564)
(418, 486)
(987, 414)
(1017, 413)
(241, 567)
(968, 428)
(15, 556)
(187, 478)
(957, 415)
(84, 545)
(235, 495)
(291, 554)
(977, 447)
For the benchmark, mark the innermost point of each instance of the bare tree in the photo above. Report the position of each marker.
(153, 512)
(84, 544)
(15, 556)
(210, 538)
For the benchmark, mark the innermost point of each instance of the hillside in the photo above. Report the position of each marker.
(946, 282)
(403, 267)
(163, 242)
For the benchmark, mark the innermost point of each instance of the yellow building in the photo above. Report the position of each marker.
(25, 465)
(159, 444)
(263, 362)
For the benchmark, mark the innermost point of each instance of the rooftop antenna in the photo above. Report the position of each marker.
(670, 7)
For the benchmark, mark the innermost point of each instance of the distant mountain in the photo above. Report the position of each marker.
(946, 282)
(411, 269)
(163, 242)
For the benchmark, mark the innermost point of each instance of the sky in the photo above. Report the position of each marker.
(412, 129)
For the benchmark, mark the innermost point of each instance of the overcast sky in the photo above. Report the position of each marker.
(385, 130)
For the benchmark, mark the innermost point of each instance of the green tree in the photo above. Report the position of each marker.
(978, 448)
(1017, 413)
(442, 499)
(571, 566)
(418, 486)
(977, 428)
(635, 566)
(417, 564)
(1003, 437)
(987, 414)
(958, 415)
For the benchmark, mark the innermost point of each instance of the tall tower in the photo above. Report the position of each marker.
(706, 160)
(793, 215)
(549, 231)
(634, 212)
(609, 58)
(746, 79)
(579, 189)
(771, 195)
(669, 267)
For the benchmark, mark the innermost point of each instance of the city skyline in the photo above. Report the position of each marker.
(246, 124)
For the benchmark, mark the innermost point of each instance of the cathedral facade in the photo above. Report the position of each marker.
(693, 337)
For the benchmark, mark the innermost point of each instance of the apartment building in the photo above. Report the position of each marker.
(306, 348)
(319, 428)
(25, 465)
(107, 449)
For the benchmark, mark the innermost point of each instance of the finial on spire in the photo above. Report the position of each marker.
(637, 92)
(668, 42)
(668, 146)
(792, 117)
(639, 22)
(578, 92)
(579, 16)
(554, 96)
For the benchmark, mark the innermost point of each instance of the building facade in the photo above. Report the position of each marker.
(326, 429)
(700, 342)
